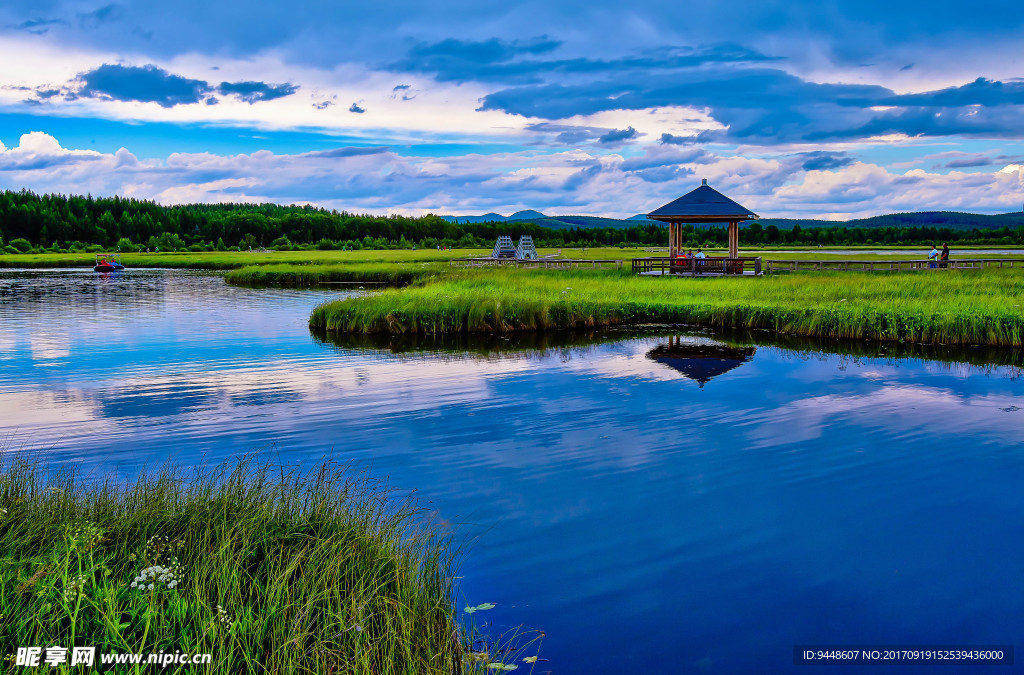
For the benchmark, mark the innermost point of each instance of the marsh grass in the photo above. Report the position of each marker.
(310, 275)
(958, 307)
(269, 570)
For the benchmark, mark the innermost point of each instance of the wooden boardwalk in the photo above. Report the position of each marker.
(774, 266)
(697, 267)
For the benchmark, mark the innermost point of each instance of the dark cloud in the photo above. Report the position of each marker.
(771, 106)
(98, 16)
(963, 160)
(981, 92)
(569, 134)
(454, 60)
(405, 90)
(823, 161)
(142, 83)
(665, 157)
(663, 174)
(487, 51)
(37, 26)
(252, 92)
(350, 151)
(355, 108)
(151, 84)
(968, 163)
(619, 135)
(705, 136)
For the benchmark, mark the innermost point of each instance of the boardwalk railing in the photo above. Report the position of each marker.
(697, 266)
(540, 263)
(773, 266)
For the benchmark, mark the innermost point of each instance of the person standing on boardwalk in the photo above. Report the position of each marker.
(932, 255)
(944, 256)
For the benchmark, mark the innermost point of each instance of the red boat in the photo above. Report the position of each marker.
(108, 262)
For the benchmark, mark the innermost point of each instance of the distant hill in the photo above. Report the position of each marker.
(954, 220)
(554, 222)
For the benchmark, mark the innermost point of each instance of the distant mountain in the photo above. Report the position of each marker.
(951, 219)
(526, 215)
(486, 218)
(954, 220)
(555, 222)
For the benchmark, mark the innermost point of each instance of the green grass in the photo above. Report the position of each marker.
(956, 307)
(277, 571)
(308, 275)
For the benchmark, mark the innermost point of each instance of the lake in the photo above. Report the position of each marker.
(654, 501)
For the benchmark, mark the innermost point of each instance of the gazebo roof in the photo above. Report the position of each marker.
(703, 204)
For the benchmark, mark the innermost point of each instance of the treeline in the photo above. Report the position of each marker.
(30, 222)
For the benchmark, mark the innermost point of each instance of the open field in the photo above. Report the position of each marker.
(974, 307)
(267, 569)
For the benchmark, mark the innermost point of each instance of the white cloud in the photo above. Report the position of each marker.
(575, 182)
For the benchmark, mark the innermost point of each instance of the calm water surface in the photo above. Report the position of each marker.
(654, 504)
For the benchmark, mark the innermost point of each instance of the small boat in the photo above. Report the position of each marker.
(108, 262)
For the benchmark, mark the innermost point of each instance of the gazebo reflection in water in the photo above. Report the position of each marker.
(700, 361)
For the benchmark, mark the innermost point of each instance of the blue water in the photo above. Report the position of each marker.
(647, 518)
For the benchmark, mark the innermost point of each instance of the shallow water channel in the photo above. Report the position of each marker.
(654, 501)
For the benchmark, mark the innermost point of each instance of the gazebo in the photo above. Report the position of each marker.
(703, 205)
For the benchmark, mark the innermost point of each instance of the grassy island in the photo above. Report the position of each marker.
(267, 570)
(972, 307)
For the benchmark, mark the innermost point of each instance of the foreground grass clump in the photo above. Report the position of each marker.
(270, 571)
(309, 275)
(969, 307)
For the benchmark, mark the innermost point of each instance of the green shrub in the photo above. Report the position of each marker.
(20, 245)
(282, 243)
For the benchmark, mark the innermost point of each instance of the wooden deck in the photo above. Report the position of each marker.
(697, 267)
(540, 263)
(775, 266)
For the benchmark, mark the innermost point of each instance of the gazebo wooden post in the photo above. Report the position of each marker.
(734, 240)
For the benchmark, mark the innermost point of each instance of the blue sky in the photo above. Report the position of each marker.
(823, 109)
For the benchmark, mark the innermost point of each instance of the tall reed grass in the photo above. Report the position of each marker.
(269, 570)
(955, 307)
(309, 275)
